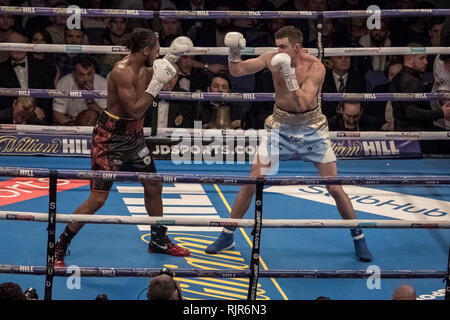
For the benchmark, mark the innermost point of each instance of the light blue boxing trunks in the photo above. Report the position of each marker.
(297, 136)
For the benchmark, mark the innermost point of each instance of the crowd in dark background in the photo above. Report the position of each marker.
(76, 71)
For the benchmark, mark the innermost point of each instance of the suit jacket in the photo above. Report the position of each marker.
(198, 81)
(188, 24)
(181, 113)
(6, 116)
(366, 123)
(355, 83)
(39, 77)
(412, 115)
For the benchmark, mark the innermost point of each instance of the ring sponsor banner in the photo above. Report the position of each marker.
(202, 149)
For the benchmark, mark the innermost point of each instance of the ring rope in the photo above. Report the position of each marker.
(225, 273)
(217, 96)
(223, 222)
(215, 14)
(249, 51)
(230, 133)
(223, 179)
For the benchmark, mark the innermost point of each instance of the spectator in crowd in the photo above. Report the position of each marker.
(248, 26)
(266, 38)
(172, 113)
(164, 287)
(351, 30)
(352, 118)
(24, 111)
(151, 5)
(323, 298)
(434, 31)
(414, 115)
(301, 24)
(11, 291)
(192, 26)
(418, 26)
(41, 36)
(58, 28)
(213, 36)
(6, 28)
(441, 71)
(340, 79)
(220, 115)
(19, 71)
(170, 29)
(399, 27)
(112, 36)
(375, 38)
(33, 22)
(191, 79)
(95, 26)
(83, 77)
(382, 110)
(404, 292)
(64, 61)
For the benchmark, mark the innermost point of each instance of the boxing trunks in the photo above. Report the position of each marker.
(118, 145)
(297, 136)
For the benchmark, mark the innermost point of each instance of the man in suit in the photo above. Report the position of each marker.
(172, 113)
(24, 111)
(21, 71)
(191, 79)
(192, 26)
(352, 118)
(340, 79)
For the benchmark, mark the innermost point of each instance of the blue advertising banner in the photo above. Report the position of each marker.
(164, 148)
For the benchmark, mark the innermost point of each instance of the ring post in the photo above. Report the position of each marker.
(254, 263)
(447, 279)
(51, 235)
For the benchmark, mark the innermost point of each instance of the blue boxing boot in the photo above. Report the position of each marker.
(224, 242)
(361, 250)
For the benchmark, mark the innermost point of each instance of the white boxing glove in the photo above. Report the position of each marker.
(177, 48)
(283, 60)
(235, 41)
(163, 72)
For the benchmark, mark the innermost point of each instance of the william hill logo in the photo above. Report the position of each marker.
(11, 144)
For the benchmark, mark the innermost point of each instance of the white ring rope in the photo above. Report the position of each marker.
(252, 51)
(168, 132)
(246, 223)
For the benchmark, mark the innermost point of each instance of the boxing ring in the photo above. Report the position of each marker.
(280, 263)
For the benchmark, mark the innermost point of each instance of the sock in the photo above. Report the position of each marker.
(158, 231)
(66, 236)
(229, 229)
(357, 233)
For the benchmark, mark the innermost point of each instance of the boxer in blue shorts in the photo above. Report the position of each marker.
(302, 129)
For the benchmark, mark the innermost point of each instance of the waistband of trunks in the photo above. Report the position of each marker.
(308, 117)
(115, 124)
